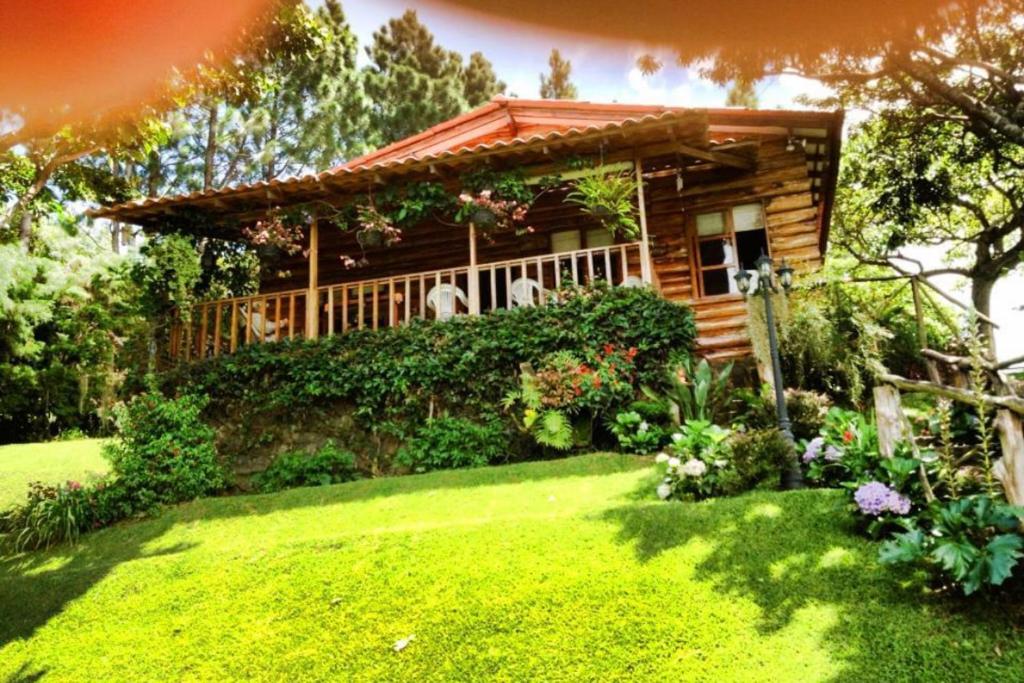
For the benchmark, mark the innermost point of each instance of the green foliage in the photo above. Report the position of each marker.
(167, 274)
(562, 398)
(756, 409)
(973, 541)
(695, 393)
(452, 442)
(329, 465)
(835, 336)
(463, 366)
(556, 85)
(700, 465)
(414, 83)
(635, 434)
(759, 456)
(609, 198)
(51, 515)
(68, 325)
(164, 452)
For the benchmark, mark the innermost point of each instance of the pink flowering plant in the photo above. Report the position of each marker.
(491, 214)
(697, 463)
(275, 232)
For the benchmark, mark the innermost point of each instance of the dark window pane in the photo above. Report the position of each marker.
(715, 252)
(751, 244)
(716, 282)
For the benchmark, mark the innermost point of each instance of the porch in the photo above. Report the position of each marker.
(221, 326)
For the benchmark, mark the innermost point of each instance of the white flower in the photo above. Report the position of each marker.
(677, 437)
(643, 427)
(721, 463)
(673, 463)
(661, 457)
(694, 467)
(664, 491)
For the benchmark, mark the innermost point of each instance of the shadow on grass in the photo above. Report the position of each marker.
(32, 591)
(36, 586)
(789, 551)
(26, 673)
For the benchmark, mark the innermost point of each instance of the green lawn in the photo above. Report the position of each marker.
(557, 571)
(52, 462)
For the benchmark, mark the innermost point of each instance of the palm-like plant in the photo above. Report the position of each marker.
(695, 393)
(609, 198)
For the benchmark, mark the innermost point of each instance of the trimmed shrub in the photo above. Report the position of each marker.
(165, 452)
(329, 465)
(451, 442)
(468, 363)
(759, 456)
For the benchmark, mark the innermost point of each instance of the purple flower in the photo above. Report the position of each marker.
(875, 498)
(813, 449)
(833, 454)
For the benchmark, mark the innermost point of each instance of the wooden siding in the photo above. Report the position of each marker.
(781, 182)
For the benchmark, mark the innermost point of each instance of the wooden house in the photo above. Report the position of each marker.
(716, 188)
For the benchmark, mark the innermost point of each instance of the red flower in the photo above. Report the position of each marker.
(847, 436)
(609, 349)
(579, 391)
(597, 381)
(631, 354)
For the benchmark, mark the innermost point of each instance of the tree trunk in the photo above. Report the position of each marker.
(889, 417)
(211, 147)
(981, 299)
(25, 230)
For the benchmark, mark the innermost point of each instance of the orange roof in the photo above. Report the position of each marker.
(501, 125)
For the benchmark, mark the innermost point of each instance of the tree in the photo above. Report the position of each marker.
(480, 83)
(742, 94)
(413, 83)
(557, 85)
(949, 96)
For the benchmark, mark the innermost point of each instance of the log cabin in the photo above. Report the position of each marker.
(715, 188)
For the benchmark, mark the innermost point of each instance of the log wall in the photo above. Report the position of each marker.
(781, 181)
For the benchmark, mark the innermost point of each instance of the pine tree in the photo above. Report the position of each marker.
(742, 94)
(480, 81)
(412, 82)
(557, 86)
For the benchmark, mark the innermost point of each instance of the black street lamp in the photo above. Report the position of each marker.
(791, 478)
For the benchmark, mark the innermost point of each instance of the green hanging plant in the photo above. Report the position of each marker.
(609, 198)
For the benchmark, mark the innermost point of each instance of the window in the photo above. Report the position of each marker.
(574, 240)
(726, 240)
(567, 240)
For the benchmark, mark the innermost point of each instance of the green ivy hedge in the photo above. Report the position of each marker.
(465, 365)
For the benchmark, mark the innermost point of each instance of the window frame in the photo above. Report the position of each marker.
(728, 233)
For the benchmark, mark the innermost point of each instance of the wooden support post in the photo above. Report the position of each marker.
(889, 417)
(312, 298)
(217, 324)
(234, 325)
(330, 312)
(474, 278)
(645, 248)
(1009, 469)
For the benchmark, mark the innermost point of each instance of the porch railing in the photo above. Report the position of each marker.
(222, 326)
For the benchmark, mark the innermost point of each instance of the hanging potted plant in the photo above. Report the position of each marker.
(273, 238)
(608, 197)
(375, 229)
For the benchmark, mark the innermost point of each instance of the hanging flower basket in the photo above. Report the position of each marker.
(484, 218)
(375, 229)
(269, 253)
(370, 238)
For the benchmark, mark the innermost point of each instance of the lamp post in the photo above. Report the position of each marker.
(791, 477)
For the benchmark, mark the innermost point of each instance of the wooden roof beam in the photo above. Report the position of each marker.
(723, 158)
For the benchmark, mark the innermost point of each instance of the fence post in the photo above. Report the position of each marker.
(888, 416)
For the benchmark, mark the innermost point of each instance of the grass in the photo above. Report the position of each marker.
(562, 570)
(52, 462)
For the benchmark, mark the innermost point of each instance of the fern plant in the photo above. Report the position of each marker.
(608, 197)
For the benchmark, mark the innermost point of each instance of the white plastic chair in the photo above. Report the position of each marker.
(632, 281)
(442, 300)
(262, 328)
(523, 290)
